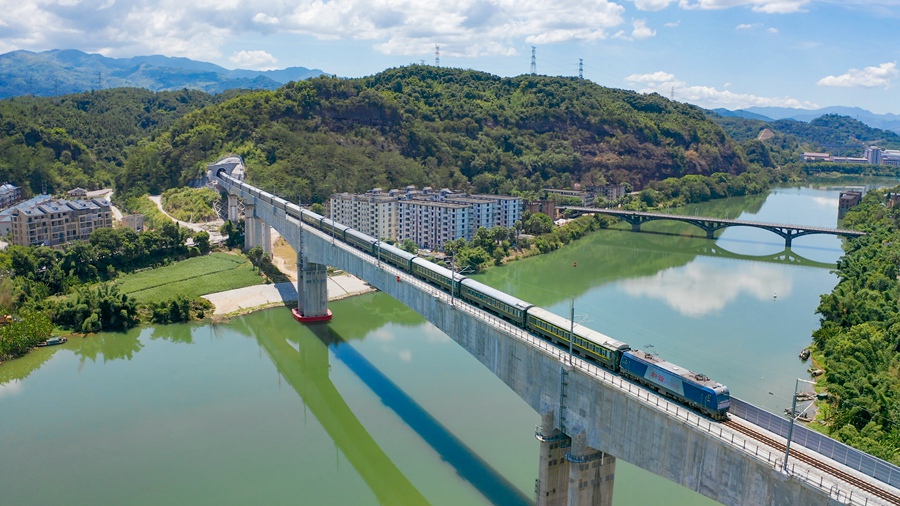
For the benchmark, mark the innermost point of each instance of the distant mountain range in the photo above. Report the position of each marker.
(60, 72)
(882, 121)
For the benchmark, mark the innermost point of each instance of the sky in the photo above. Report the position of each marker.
(713, 53)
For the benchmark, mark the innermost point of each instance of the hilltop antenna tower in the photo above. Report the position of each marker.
(99, 80)
(533, 61)
(437, 55)
(580, 68)
(672, 93)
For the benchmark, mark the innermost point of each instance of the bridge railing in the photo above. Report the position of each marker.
(819, 443)
(815, 478)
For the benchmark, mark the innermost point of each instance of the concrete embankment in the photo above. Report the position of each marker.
(263, 296)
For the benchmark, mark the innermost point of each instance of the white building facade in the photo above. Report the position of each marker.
(427, 217)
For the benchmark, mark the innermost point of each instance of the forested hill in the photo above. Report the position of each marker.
(56, 144)
(839, 135)
(425, 125)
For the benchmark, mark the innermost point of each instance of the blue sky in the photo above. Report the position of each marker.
(713, 53)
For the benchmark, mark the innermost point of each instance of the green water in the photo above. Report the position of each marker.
(379, 407)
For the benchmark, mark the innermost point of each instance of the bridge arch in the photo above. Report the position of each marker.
(713, 225)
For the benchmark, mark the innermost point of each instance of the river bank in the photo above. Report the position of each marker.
(253, 298)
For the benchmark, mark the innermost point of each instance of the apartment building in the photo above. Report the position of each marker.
(427, 217)
(373, 213)
(431, 224)
(55, 222)
(9, 195)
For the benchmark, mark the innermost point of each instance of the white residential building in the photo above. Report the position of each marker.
(429, 218)
(373, 213)
(9, 195)
(431, 224)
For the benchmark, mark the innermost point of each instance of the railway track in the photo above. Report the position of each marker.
(833, 471)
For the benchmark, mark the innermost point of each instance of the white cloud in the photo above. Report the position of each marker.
(652, 5)
(869, 77)
(656, 77)
(12, 388)
(199, 29)
(747, 26)
(698, 289)
(672, 24)
(764, 6)
(257, 60)
(708, 96)
(641, 31)
(772, 30)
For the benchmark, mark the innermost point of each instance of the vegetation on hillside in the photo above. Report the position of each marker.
(424, 125)
(838, 135)
(191, 205)
(859, 337)
(83, 140)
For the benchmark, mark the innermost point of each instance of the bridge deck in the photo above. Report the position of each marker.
(723, 221)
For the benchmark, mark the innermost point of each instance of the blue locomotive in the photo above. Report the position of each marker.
(692, 389)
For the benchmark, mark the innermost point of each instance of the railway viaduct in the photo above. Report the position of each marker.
(590, 417)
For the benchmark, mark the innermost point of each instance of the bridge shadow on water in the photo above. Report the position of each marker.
(468, 465)
(302, 358)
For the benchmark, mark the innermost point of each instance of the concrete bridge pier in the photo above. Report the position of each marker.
(312, 292)
(265, 238)
(570, 473)
(591, 474)
(250, 223)
(551, 486)
(232, 207)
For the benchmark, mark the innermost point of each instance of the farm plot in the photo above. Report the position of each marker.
(191, 278)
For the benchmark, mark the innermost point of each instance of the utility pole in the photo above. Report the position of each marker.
(794, 415)
(580, 68)
(437, 55)
(571, 330)
(533, 60)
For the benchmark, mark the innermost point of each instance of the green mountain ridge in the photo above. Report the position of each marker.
(440, 127)
(418, 125)
(61, 72)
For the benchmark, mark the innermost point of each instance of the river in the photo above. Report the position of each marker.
(381, 407)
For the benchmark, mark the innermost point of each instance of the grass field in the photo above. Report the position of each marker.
(191, 278)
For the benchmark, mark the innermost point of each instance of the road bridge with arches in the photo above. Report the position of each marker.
(713, 225)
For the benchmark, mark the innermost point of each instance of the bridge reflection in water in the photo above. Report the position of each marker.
(307, 371)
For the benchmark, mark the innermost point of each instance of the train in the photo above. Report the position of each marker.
(692, 389)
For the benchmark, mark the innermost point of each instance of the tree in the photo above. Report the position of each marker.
(234, 233)
(317, 208)
(201, 240)
(27, 330)
(255, 254)
(537, 224)
(409, 246)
